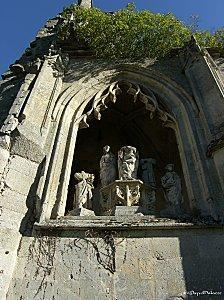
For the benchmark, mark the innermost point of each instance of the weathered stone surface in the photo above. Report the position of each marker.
(112, 265)
(129, 210)
(4, 157)
(13, 201)
(125, 256)
(24, 147)
(9, 242)
(81, 212)
(21, 175)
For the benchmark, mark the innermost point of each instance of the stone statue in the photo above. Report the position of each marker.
(83, 190)
(171, 183)
(148, 176)
(108, 167)
(128, 159)
(148, 198)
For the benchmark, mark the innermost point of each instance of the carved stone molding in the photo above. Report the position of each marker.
(102, 98)
(15, 115)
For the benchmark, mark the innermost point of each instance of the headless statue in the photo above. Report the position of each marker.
(171, 183)
(83, 190)
(148, 176)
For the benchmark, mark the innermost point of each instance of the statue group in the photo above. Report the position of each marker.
(129, 182)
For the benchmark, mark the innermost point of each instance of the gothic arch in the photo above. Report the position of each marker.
(68, 113)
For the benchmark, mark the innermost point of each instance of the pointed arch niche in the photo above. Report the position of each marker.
(125, 114)
(152, 113)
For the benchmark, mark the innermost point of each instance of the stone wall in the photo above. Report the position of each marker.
(157, 264)
(36, 154)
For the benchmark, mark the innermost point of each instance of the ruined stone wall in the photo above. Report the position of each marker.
(34, 152)
(157, 264)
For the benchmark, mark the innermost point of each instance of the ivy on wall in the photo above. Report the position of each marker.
(129, 33)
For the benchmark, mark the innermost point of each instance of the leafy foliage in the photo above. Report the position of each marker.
(129, 33)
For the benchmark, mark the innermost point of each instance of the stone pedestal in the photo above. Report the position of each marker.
(129, 211)
(120, 192)
(81, 212)
(128, 193)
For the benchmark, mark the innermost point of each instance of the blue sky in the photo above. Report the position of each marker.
(21, 19)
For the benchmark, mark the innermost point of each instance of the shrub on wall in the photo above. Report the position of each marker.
(129, 33)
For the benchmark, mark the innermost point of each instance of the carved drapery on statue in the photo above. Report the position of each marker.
(108, 167)
(128, 159)
(83, 194)
(129, 190)
(171, 183)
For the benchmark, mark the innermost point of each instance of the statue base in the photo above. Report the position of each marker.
(81, 212)
(130, 210)
(128, 193)
(123, 192)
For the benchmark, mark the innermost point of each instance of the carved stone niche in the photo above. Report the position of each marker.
(128, 197)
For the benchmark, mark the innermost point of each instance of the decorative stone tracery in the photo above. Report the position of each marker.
(103, 97)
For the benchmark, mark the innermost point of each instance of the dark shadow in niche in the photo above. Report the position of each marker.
(125, 123)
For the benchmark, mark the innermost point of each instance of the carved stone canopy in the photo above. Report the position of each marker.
(104, 97)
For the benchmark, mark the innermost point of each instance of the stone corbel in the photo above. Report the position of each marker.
(58, 63)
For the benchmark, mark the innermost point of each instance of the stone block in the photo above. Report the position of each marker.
(21, 175)
(129, 210)
(132, 288)
(11, 219)
(81, 212)
(4, 157)
(23, 165)
(19, 182)
(210, 246)
(169, 278)
(165, 248)
(142, 247)
(9, 243)
(13, 201)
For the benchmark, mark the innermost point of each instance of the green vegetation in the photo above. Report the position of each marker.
(129, 33)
